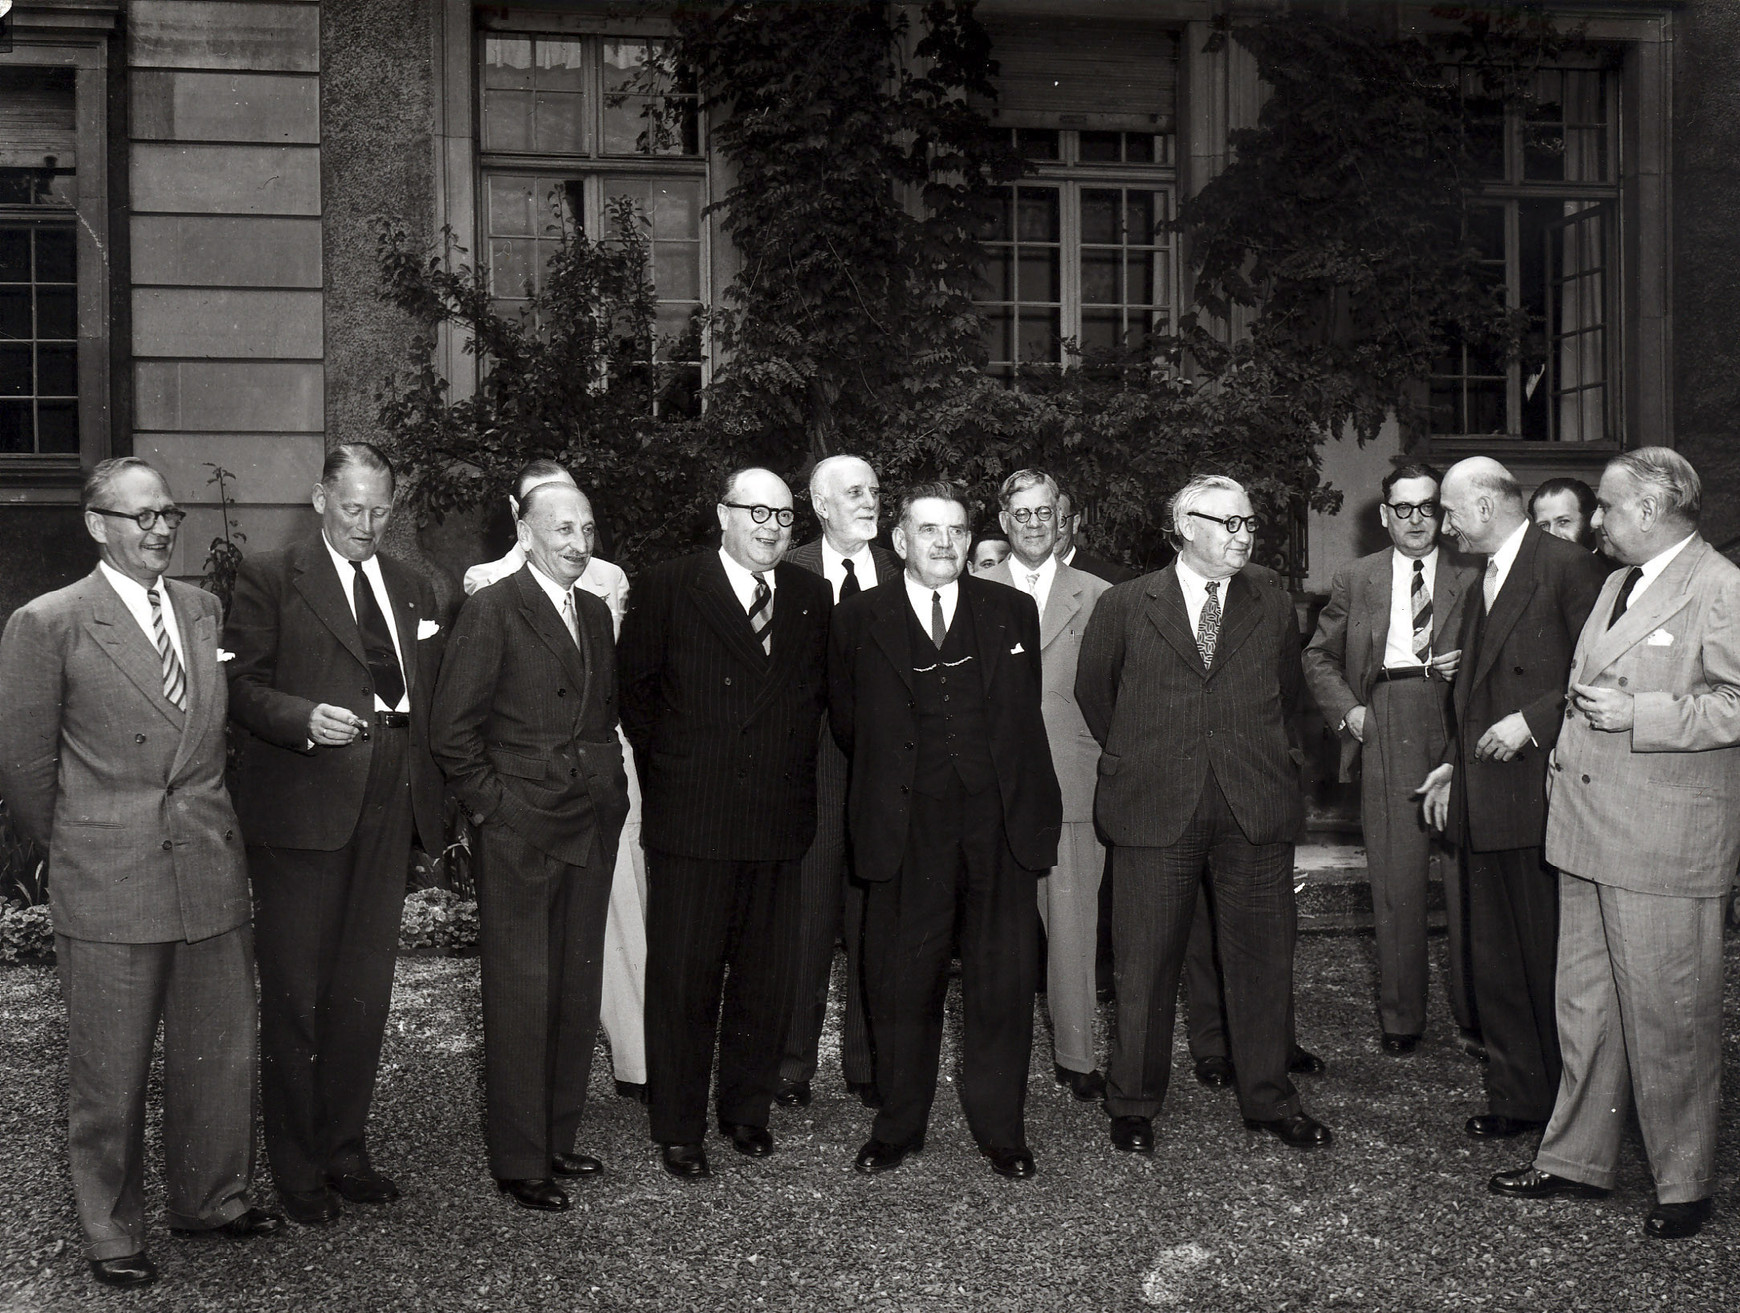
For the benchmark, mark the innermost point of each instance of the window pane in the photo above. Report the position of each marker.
(54, 256)
(558, 123)
(507, 62)
(1139, 147)
(1036, 215)
(15, 313)
(1099, 278)
(57, 427)
(16, 436)
(999, 336)
(1139, 270)
(56, 312)
(1099, 216)
(560, 65)
(650, 102)
(998, 271)
(511, 206)
(1036, 277)
(511, 265)
(1101, 147)
(1038, 143)
(507, 120)
(15, 255)
(15, 374)
(57, 371)
(1139, 218)
(1101, 330)
(676, 273)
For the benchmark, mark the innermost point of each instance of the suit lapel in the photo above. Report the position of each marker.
(114, 627)
(546, 622)
(1447, 584)
(1239, 616)
(888, 627)
(1665, 595)
(313, 576)
(199, 644)
(789, 613)
(1166, 612)
(1512, 600)
(1061, 605)
(717, 602)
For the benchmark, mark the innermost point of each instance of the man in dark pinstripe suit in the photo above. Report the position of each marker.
(524, 729)
(723, 658)
(1187, 677)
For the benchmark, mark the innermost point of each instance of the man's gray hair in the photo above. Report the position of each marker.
(1190, 496)
(101, 483)
(1664, 471)
(1021, 481)
(827, 465)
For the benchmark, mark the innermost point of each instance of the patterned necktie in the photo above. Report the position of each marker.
(1208, 625)
(761, 613)
(939, 629)
(1033, 584)
(377, 640)
(174, 677)
(1622, 601)
(1421, 603)
(849, 586)
(1489, 585)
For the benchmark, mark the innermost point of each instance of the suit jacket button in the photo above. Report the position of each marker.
(1623, 681)
(1585, 779)
(905, 788)
(169, 790)
(907, 746)
(561, 692)
(138, 738)
(1516, 670)
(573, 772)
(228, 835)
(728, 681)
(168, 844)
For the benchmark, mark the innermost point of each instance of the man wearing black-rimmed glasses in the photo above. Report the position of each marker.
(722, 666)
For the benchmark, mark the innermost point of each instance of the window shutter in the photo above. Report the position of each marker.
(1084, 75)
(36, 118)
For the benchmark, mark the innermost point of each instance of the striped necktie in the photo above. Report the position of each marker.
(174, 677)
(1420, 601)
(761, 613)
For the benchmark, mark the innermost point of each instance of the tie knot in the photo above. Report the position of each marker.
(1419, 567)
(846, 564)
(153, 595)
(1213, 587)
(1491, 565)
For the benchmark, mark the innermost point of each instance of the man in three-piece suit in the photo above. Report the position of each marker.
(934, 690)
(1379, 666)
(525, 731)
(112, 758)
(723, 670)
(1069, 904)
(847, 500)
(1489, 794)
(335, 661)
(1643, 825)
(1187, 678)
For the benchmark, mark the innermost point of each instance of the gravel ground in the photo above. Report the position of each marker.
(1395, 1216)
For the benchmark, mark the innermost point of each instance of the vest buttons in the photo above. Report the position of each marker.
(573, 772)
(168, 844)
(728, 681)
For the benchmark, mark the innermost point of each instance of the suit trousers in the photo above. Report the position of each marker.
(1154, 905)
(326, 930)
(1640, 1018)
(1513, 916)
(1204, 994)
(956, 875)
(1069, 908)
(115, 995)
(833, 910)
(622, 1008)
(722, 948)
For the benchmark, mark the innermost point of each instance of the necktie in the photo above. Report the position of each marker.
(174, 677)
(761, 613)
(939, 629)
(570, 617)
(1489, 585)
(1421, 603)
(1624, 599)
(1033, 584)
(377, 640)
(849, 586)
(1208, 624)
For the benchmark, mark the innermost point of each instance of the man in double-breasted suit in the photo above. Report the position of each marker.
(112, 758)
(524, 729)
(1187, 678)
(1643, 825)
(1069, 903)
(934, 690)
(1379, 666)
(1490, 793)
(723, 669)
(336, 649)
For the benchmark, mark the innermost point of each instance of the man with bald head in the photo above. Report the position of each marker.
(723, 659)
(1489, 795)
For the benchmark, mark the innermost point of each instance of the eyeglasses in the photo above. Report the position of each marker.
(1408, 510)
(1232, 523)
(782, 516)
(1044, 514)
(146, 519)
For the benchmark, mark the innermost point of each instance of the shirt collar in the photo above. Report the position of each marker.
(919, 594)
(1508, 549)
(1659, 562)
(831, 556)
(131, 588)
(1046, 570)
(1428, 562)
(553, 590)
(371, 567)
(742, 579)
(1188, 578)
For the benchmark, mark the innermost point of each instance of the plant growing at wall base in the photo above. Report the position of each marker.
(224, 557)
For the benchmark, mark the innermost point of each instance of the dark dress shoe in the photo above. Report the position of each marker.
(1300, 1130)
(688, 1161)
(627, 1089)
(1532, 1183)
(1216, 1073)
(1133, 1134)
(866, 1091)
(1088, 1086)
(1305, 1063)
(310, 1207)
(364, 1185)
(1677, 1221)
(576, 1164)
(541, 1194)
(243, 1226)
(1016, 1164)
(1399, 1044)
(881, 1156)
(1496, 1126)
(750, 1141)
(127, 1272)
(793, 1094)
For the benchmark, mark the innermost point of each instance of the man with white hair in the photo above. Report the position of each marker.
(1188, 678)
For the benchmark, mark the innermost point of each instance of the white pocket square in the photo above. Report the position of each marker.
(225, 656)
(1016, 650)
(1660, 638)
(427, 629)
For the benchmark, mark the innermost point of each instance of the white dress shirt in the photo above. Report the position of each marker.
(371, 569)
(1653, 567)
(1035, 582)
(1498, 566)
(1196, 593)
(133, 596)
(557, 594)
(918, 595)
(1399, 645)
(743, 580)
(834, 568)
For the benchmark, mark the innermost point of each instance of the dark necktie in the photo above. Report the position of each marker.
(1421, 603)
(1624, 599)
(1208, 624)
(849, 586)
(939, 629)
(377, 640)
(761, 613)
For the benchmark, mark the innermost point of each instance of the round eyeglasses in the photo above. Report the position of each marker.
(1044, 514)
(782, 515)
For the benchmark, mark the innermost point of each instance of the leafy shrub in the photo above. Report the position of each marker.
(25, 932)
(437, 918)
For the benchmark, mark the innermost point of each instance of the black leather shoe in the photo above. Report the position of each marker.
(688, 1161)
(1088, 1086)
(880, 1156)
(1133, 1134)
(793, 1094)
(1496, 1126)
(364, 1185)
(1216, 1073)
(243, 1226)
(310, 1207)
(1016, 1164)
(1300, 1130)
(750, 1141)
(1305, 1063)
(1532, 1183)
(1399, 1044)
(1676, 1221)
(627, 1089)
(541, 1194)
(128, 1272)
(576, 1164)
(866, 1091)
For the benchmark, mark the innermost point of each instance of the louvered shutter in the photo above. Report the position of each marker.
(1084, 74)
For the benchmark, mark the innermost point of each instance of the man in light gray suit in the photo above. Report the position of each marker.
(1069, 896)
(1643, 824)
(112, 758)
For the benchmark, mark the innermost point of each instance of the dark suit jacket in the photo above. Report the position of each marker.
(809, 555)
(1517, 658)
(724, 736)
(1162, 720)
(525, 726)
(296, 645)
(1110, 571)
(875, 720)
